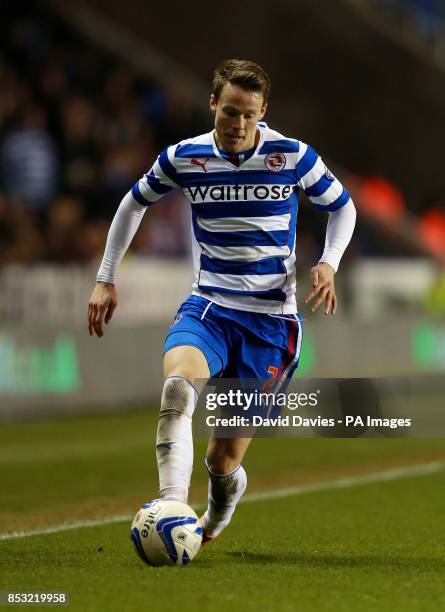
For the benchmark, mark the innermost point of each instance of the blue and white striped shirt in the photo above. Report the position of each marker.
(244, 217)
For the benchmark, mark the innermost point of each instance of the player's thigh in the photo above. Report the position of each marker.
(188, 362)
(225, 454)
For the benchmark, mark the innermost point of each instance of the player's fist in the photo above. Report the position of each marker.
(323, 289)
(102, 304)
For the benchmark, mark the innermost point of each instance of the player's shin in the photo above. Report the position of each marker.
(174, 442)
(224, 492)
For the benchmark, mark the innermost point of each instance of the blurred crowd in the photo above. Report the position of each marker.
(424, 17)
(77, 128)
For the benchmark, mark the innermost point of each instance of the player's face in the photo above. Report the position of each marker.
(237, 113)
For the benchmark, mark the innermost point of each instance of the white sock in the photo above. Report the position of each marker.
(225, 491)
(174, 441)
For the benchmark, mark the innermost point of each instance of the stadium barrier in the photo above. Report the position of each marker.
(60, 369)
(49, 363)
(149, 289)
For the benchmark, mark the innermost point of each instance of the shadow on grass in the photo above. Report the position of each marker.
(428, 564)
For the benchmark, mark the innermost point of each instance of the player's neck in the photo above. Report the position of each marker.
(246, 148)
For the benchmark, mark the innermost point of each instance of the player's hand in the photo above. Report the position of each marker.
(102, 304)
(323, 289)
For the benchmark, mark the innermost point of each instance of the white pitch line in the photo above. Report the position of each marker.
(65, 527)
(340, 483)
(353, 481)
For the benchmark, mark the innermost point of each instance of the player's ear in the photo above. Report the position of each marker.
(213, 103)
(263, 110)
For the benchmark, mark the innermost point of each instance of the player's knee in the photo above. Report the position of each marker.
(187, 362)
(183, 371)
(178, 397)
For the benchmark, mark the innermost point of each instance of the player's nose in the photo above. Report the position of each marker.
(239, 123)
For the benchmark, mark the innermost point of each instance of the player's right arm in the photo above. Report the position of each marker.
(145, 192)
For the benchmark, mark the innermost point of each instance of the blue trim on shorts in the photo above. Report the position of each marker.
(188, 338)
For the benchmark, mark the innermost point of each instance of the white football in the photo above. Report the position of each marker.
(166, 532)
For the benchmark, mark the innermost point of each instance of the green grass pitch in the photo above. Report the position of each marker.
(376, 545)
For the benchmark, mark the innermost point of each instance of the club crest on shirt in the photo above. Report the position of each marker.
(275, 161)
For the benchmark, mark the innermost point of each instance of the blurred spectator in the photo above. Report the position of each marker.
(424, 19)
(165, 229)
(79, 153)
(21, 240)
(91, 240)
(77, 128)
(432, 229)
(380, 198)
(64, 230)
(29, 161)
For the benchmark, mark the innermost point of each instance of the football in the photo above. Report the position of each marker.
(166, 532)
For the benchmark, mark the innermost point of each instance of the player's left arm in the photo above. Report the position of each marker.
(327, 194)
(338, 235)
